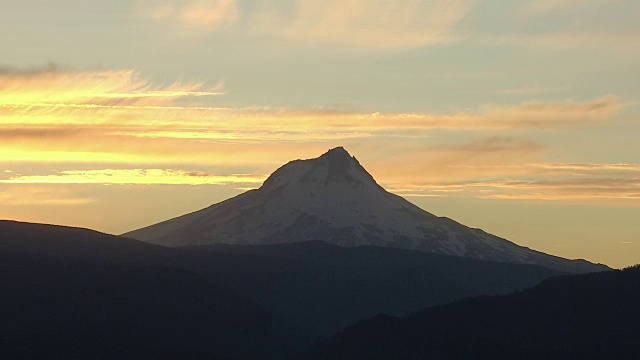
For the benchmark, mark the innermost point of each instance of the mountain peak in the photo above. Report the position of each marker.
(340, 159)
(334, 199)
(337, 152)
(333, 167)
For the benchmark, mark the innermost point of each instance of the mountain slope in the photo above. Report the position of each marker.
(589, 316)
(334, 199)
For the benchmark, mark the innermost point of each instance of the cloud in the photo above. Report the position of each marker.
(572, 39)
(379, 23)
(582, 168)
(250, 121)
(20, 133)
(494, 144)
(373, 24)
(603, 26)
(544, 7)
(528, 89)
(142, 133)
(567, 189)
(122, 100)
(52, 89)
(18, 195)
(136, 177)
(538, 181)
(34, 70)
(539, 114)
(116, 116)
(530, 181)
(117, 120)
(453, 161)
(195, 14)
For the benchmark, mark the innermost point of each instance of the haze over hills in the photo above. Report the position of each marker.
(586, 316)
(334, 199)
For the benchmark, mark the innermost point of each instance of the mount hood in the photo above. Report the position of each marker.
(332, 198)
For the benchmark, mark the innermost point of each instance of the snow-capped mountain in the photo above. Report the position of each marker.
(334, 199)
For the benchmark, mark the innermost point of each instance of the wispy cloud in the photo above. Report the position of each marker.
(587, 25)
(568, 189)
(134, 133)
(582, 167)
(573, 39)
(539, 181)
(52, 89)
(542, 7)
(136, 177)
(122, 96)
(373, 24)
(378, 24)
(492, 145)
(117, 116)
(454, 161)
(203, 15)
(539, 114)
(528, 89)
(40, 196)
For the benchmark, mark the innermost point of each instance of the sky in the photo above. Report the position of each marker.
(517, 117)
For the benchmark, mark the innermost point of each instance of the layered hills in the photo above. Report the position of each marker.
(586, 316)
(61, 282)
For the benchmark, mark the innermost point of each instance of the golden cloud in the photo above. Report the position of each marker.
(196, 14)
(116, 117)
(51, 91)
(527, 182)
(136, 177)
(125, 104)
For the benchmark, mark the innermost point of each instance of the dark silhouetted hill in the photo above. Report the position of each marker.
(591, 316)
(319, 288)
(311, 289)
(79, 303)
